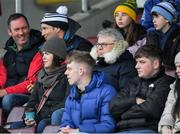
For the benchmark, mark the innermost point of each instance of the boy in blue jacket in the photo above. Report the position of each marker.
(87, 106)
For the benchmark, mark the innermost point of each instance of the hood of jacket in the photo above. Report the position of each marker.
(72, 29)
(110, 57)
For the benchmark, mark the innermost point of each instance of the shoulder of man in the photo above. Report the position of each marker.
(2, 52)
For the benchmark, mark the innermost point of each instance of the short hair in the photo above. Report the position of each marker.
(111, 32)
(81, 57)
(149, 51)
(16, 16)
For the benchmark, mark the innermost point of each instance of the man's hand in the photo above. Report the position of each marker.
(166, 130)
(30, 86)
(3, 92)
(139, 100)
(68, 130)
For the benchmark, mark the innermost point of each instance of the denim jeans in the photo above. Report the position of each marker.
(57, 116)
(11, 100)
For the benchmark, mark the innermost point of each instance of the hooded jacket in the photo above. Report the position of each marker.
(117, 65)
(90, 111)
(167, 118)
(132, 116)
(73, 41)
(19, 68)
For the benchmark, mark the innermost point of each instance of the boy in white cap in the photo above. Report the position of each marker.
(58, 24)
(165, 33)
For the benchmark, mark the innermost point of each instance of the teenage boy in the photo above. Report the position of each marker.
(165, 33)
(87, 106)
(138, 107)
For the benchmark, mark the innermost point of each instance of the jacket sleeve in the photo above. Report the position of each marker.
(146, 19)
(122, 102)
(154, 103)
(35, 66)
(3, 74)
(167, 118)
(34, 97)
(106, 123)
(66, 118)
(126, 73)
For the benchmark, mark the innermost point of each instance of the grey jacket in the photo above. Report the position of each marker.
(167, 118)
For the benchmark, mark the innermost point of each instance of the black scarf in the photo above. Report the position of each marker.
(48, 77)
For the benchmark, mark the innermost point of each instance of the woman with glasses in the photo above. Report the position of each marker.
(113, 58)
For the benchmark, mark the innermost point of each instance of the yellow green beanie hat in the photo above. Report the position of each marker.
(129, 7)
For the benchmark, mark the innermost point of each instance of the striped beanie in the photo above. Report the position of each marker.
(57, 19)
(129, 7)
(165, 9)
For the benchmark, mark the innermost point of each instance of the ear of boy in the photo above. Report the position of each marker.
(156, 64)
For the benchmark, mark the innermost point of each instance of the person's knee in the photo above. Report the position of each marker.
(57, 116)
(7, 102)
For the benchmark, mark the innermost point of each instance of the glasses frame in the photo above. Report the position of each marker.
(103, 45)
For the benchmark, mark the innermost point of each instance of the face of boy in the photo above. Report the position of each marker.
(73, 73)
(160, 23)
(146, 68)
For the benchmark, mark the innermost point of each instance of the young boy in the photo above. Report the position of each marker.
(165, 35)
(87, 106)
(139, 106)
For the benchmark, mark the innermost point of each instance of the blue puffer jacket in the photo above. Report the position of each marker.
(90, 111)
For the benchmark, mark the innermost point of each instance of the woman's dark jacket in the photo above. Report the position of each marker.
(55, 100)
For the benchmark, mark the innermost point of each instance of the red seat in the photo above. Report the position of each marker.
(16, 114)
(30, 130)
(1, 116)
(51, 129)
(92, 39)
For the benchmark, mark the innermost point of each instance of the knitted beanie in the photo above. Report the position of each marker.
(56, 46)
(177, 58)
(58, 19)
(129, 7)
(165, 9)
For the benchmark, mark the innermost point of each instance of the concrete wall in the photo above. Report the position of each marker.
(91, 24)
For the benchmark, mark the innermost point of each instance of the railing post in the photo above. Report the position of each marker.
(85, 5)
(18, 4)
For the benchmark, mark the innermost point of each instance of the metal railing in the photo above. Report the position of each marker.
(85, 6)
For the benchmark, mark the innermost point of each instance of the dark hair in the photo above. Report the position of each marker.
(16, 16)
(57, 61)
(107, 24)
(149, 51)
(176, 109)
(81, 57)
(134, 32)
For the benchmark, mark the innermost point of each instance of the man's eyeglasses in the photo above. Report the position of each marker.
(103, 45)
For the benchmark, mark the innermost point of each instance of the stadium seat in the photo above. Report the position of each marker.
(51, 129)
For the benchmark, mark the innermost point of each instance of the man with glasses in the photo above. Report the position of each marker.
(113, 58)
